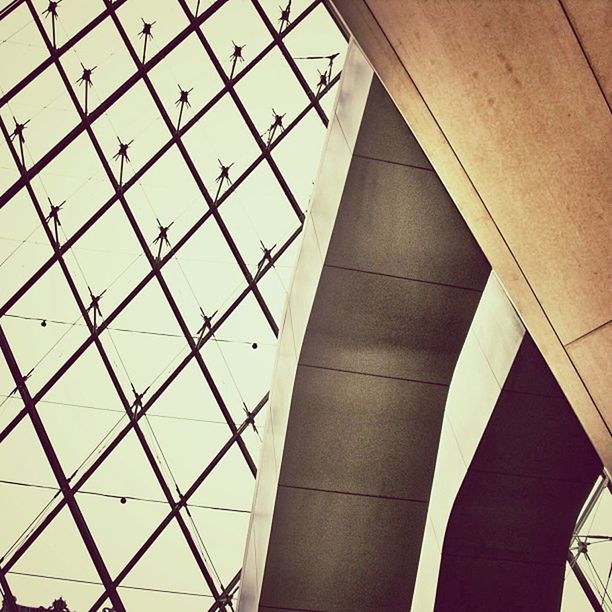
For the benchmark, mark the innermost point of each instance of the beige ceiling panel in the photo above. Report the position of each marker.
(592, 356)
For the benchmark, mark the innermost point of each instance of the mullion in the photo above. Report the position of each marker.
(94, 334)
(106, 104)
(108, 320)
(226, 591)
(131, 81)
(117, 439)
(294, 67)
(9, 8)
(86, 29)
(182, 502)
(58, 472)
(198, 179)
(140, 173)
(145, 247)
(147, 252)
(9, 598)
(245, 116)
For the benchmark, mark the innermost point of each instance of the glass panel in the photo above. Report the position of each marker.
(44, 124)
(271, 89)
(75, 180)
(183, 269)
(275, 10)
(224, 532)
(221, 137)
(317, 48)
(21, 48)
(72, 15)
(122, 503)
(154, 581)
(299, 165)
(44, 327)
(56, 565)
(167, 19)
(236, 24)
(186, 68)
(242, 373)
(101, 51)
(134, 121)
(178, 202)
(107, 261)
(82, 412)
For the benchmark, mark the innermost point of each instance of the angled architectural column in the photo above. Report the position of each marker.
(513, 469)
(387, 283)
(507, 538)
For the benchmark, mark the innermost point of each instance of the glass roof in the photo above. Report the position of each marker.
(156, 164)
(587, 584)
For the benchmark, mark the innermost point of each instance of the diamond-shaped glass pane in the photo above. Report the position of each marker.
(155, 165)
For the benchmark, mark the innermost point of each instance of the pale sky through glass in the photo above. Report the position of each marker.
(199, 381)
(596, 564)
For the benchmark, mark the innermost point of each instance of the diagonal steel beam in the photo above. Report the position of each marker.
(58, 472)
(115, 442)
(200, 183)
(9, 599)
(182, 502)
(583, 582)
(278, 38)
(227, 591)
(150, 457)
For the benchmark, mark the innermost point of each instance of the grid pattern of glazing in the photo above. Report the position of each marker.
(155, 168)
(589, 566)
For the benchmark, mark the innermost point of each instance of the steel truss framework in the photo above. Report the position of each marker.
(158, 254)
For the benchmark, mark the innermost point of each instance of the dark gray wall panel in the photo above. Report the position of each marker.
(384, 133)
(362, 434)
(530, 374)
(400, 221)
(545, 451)
(516, 518)
(334, 551)
(387, 326)
(502, 586)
